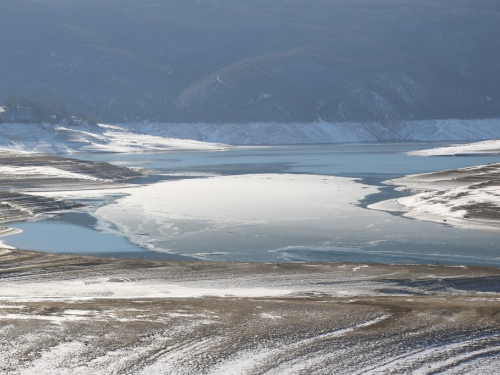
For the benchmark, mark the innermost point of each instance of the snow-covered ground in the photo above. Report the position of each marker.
(491, 147)
(103, 287)
(65, 314)
(37, 171)
(324, 132)
(453, 205)
(65, 139)
(467, 197)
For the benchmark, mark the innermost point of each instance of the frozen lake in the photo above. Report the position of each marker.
(270, 204)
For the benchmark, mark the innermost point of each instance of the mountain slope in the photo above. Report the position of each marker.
(256, 60)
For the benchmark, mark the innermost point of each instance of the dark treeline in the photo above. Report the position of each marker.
(17, 109)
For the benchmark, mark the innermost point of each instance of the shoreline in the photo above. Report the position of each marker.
(466, 197)
(92, 169)
(489, 147)
(25, 177)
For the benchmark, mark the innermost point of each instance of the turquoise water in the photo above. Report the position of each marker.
(74, 233)
(398, 240)
(382, 160)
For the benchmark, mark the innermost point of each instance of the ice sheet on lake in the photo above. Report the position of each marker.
(274, 217)
(234, 212)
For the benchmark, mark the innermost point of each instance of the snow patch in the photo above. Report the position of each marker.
(65, 139)
(37, 171)
(491, 147)
(270, 316)
(90, 289)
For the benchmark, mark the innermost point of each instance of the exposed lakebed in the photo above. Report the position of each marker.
(263, 204)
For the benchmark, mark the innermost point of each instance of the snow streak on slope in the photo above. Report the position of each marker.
(47, 138)
(30, 172)
(324, 132)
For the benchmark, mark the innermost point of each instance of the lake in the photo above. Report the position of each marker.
(342, 230)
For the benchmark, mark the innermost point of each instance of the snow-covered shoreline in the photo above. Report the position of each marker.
(324, 132)
(466, 197)
(490, 147)
(69, 139)
(158, 137)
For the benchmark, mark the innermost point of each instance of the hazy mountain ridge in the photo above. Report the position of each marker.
(256, 61)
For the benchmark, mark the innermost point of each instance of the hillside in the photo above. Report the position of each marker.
(247, 61)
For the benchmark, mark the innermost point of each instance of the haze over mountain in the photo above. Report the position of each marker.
(255, 60)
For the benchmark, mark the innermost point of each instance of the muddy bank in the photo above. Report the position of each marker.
(62, 313)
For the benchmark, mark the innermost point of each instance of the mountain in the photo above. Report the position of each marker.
(241, 61)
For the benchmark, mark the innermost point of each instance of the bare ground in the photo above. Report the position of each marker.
(63, 314)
